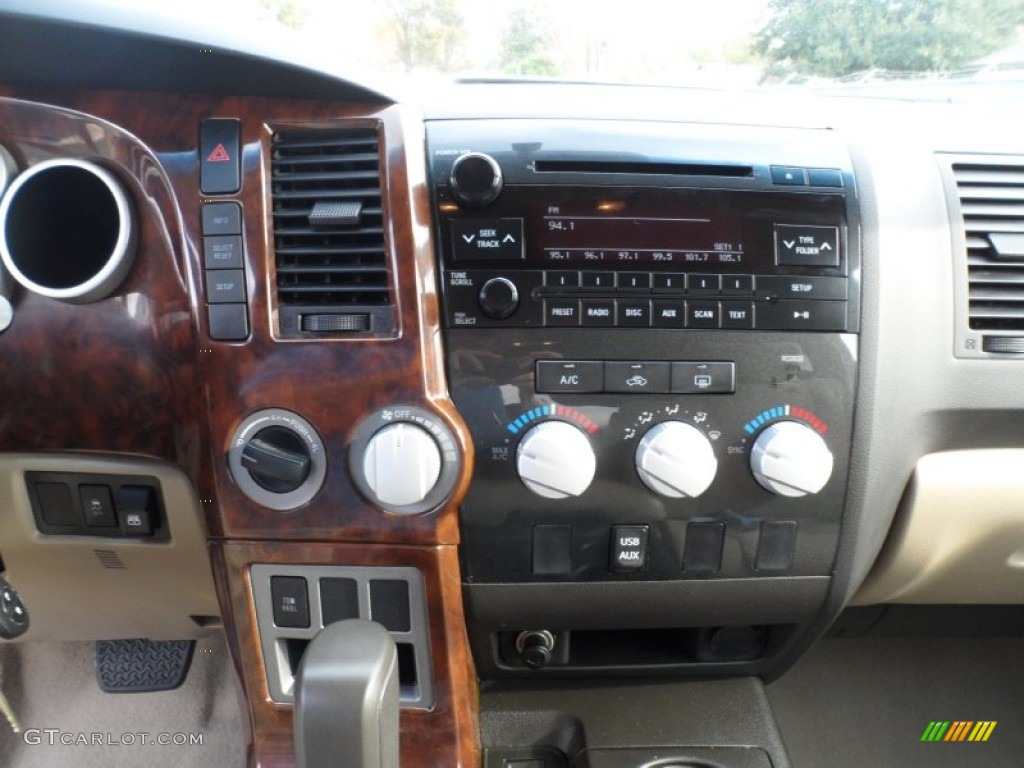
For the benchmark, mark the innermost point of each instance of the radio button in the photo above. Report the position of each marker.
(633, 314)
(634, 281)
(737, 315)
(562, 279)
(704, 284)
(738, 285)
(801, 316)
(561, 376)
(703, 378)
(784, 287)
(636, 377)
(669, 282)
(669, 314)
(598, 281)
(598, 312)
(561, 313)
(703, 314)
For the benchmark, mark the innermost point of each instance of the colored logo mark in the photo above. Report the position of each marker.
(958, 730)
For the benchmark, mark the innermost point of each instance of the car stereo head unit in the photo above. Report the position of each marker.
(535, 234)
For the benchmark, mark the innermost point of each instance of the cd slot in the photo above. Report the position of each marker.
(644, 168)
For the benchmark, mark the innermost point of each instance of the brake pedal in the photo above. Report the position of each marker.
(142, 666)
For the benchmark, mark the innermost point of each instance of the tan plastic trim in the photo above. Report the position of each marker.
(68, 587)
(958, 536)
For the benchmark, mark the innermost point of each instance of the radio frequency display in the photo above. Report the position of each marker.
(613, 240)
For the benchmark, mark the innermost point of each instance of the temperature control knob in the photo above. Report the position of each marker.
(675, 459)
(402, 464)
(555, 460)
(476, 179)
(791, 459)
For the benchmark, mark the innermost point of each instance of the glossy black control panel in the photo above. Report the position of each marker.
(651, 332)
(734, 529)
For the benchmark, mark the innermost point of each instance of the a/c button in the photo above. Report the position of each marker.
(566, 376)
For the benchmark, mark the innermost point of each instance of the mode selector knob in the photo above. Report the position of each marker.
(675, 459)
(791, 459)
(555, 460)
(498, 298)
(277, 459)
(475, 179)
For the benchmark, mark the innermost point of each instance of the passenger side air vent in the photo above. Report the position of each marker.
(991, 196)
(329, 242)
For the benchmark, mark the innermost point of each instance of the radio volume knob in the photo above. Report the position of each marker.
(498, 298)
(675, 459)
(476, 179)
(555, 460)
(791, 459)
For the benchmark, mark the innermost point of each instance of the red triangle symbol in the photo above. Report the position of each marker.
(219, 155)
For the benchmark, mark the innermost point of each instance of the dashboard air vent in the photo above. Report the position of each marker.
(329, 244)
(992, 202)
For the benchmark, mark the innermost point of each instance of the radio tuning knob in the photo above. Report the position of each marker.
(791, 459)
(498, 298)
(475, 179)
(555, 460)
(675, 459)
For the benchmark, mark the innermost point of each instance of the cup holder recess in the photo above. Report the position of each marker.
(67, 230)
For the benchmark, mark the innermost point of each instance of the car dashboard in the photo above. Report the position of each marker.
(599, 399)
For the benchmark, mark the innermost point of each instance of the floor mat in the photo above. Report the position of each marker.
(52, 687)
(852, 703)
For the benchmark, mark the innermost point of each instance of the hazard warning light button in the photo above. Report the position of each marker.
(219, 150)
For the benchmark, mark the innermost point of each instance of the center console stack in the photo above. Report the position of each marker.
(651, 332)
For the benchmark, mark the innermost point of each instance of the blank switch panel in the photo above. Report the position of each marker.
(393, 597)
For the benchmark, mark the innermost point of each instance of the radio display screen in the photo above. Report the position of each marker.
(650, 228)
(610, 239)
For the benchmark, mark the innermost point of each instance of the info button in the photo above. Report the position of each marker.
(562, 376)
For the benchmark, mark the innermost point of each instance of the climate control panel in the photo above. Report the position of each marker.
(652, 460)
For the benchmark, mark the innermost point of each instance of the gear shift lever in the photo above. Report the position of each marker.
(346, 699)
